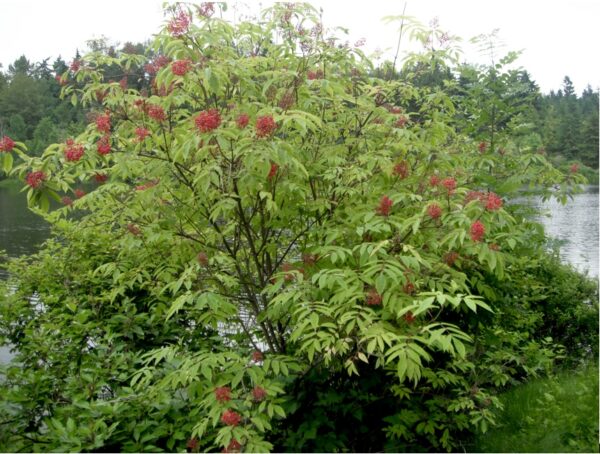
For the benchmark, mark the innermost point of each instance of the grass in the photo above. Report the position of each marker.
(557, 414)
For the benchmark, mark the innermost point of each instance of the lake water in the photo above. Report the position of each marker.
(575, 225)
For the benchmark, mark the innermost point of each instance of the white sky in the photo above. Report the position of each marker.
(559, 37)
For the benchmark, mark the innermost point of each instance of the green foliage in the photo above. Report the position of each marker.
(271, 262)
(556, 414)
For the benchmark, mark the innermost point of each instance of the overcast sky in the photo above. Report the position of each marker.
(558, 38)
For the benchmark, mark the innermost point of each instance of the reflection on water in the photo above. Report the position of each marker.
(575, 226)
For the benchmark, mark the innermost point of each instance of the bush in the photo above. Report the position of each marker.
(277, 252)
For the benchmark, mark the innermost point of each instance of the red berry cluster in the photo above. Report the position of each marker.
(574, 168)
(75, 65)
(402, 169)
(223, 394)
(79, 193)
(208, 120)
(103, 145)
(373, 298)
(148, 185)
(35, 179)
(434, 211)
(141, 134)
(314, 75)
(482, 147)
(159, 62)
(66, 200)
(202, 258)
(490, 200)
(206, 9)
(181, 67)
(385, 206)
(409, 317)
(134, 229)
(259, 393)
(230, 418)
(401, 122)
(100, 177)
(103, 123)
(450, 185)
(273, 171)
(6, 144)
(156, 112)
(242, 121)
(73, 151)
(477, 231)
(265, 126)
(450, 257)
(233, 446)
(434, 180)
(257, 356)
(179, 24)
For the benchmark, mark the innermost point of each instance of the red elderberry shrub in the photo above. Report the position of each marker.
(103, 145)
(179, 24)
(574, 168)
(401, 169)
(493, 202)
(79, 193)
(35, 179)
(156, 112)
(202, 258)
(242, 120)
(450, 257)
(409, 317)
(473, 195)
(258, 393)
(265, 126)
(434, 180)
(233, 446)
(385, 206)
(477, 231)
(192, 443)
(231, 418)
(434, 211)
(73, 152)
(66, 200)
(100, 177)
(257, 356)
(273, 171)
(134, 229)
(103, 123)
(208, 120)
(6, 144)
(450, 185)
(223, 394)
(373, 298)
(181, 67)
(141, 134)
(482, 147)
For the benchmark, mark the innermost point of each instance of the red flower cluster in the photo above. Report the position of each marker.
(242, 120)
(103, 123)
(477, 231)
(409, 317)
(574, 168)
(233, 446)
(73, 151)
(482, 147)
(6, 144)
(141, 134)
(408, 288)
(79, 193)
(493, 202)
(265, 126)
(179, 24)
(434, 211)
(257, 356)
(103, 145)
(434, 180)
(156, 112)
(181, 67)
(473, 195)
(202, 258)
(66, 200)
(223, 394)
(258, 393)
(314, 75)
(402, 169)
(273, 171)
(208, 120)
(385, 206)
(35, 179)
(450, 185)
(100, 177)
(231, 418)
(373, 298)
